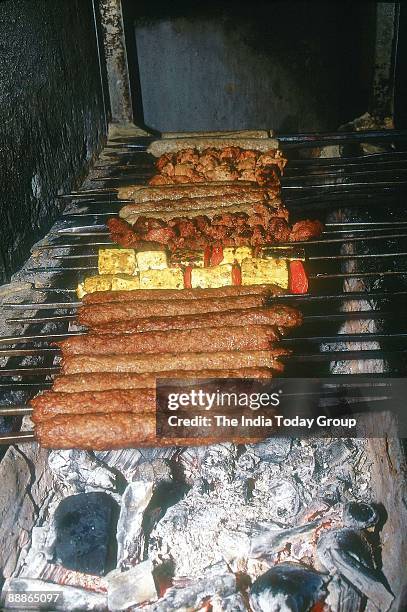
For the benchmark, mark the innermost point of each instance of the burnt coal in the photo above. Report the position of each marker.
(360, 515)
(287, 586)
(274, 450)
(347, 552)
(84, 524)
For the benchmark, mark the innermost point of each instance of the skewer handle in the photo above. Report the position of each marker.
(7, 411)
(17, 437)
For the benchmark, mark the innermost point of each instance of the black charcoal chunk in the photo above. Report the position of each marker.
(85, 526)
(287, 586)
(359, 515)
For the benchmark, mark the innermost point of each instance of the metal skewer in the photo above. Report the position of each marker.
(21, 437)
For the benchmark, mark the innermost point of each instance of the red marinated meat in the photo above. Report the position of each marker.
(162, 235)
(202, 222)
(278, 230)
(186, 228)
(123, 233)
(258, 236)
(305, 230)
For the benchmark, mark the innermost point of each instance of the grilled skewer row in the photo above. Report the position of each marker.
(113, 431)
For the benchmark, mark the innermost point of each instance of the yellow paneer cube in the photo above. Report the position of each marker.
(151, 260)
(236, 254)
(117, 261)
(95, 283)
(125, 282)
(169, 278)
(265, 272)
(216, 276)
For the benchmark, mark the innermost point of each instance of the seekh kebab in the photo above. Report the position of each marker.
(98, 314)
(278, 315)
(253, 337)
(157, 362)
(110, 431)
(99, 381)
(100, 297)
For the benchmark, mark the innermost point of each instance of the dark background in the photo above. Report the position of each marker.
(291, 66)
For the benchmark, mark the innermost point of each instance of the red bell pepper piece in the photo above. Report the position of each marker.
(236, 275)
(187, 277)
(298, 277)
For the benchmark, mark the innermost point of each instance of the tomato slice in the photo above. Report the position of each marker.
(236, 275)
(187, 277)
(217, 255)
(298, 277)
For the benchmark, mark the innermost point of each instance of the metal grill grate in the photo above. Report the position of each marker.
(357, 269)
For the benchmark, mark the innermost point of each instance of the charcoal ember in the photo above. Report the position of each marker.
(287, 587)
(359, 515)
(232, 603)
(218, 463)
(126, 460)
(347, 552)
(130, 534)
(333, 454)
(65, 597)
(83, 525)
(214, 464)
(267, 542)
(192, 593)
(131, 588)
(300, 464)
(158, 470)
(208, 525)
(331, 493)
(80, 472)
(283, 495)
(343, 597)
(248, 463)
(275, 450)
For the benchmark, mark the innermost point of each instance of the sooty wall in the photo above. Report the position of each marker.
(292, 66)
(51, 115)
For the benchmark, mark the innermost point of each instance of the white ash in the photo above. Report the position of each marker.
(191, 594)
(232, 603)
(130, 534)
(232, 493)
(80, 472)
(130, 588)
(127, 461)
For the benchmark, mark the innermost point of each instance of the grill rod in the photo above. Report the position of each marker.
(375, 395)
(316, 276)
(357, 337)
(77, 231)
(29, 436)
(324, 356)
(307, 258)
(341, 316)
(107, 243)
(348, 295)
(20, 437)
(126, 179)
